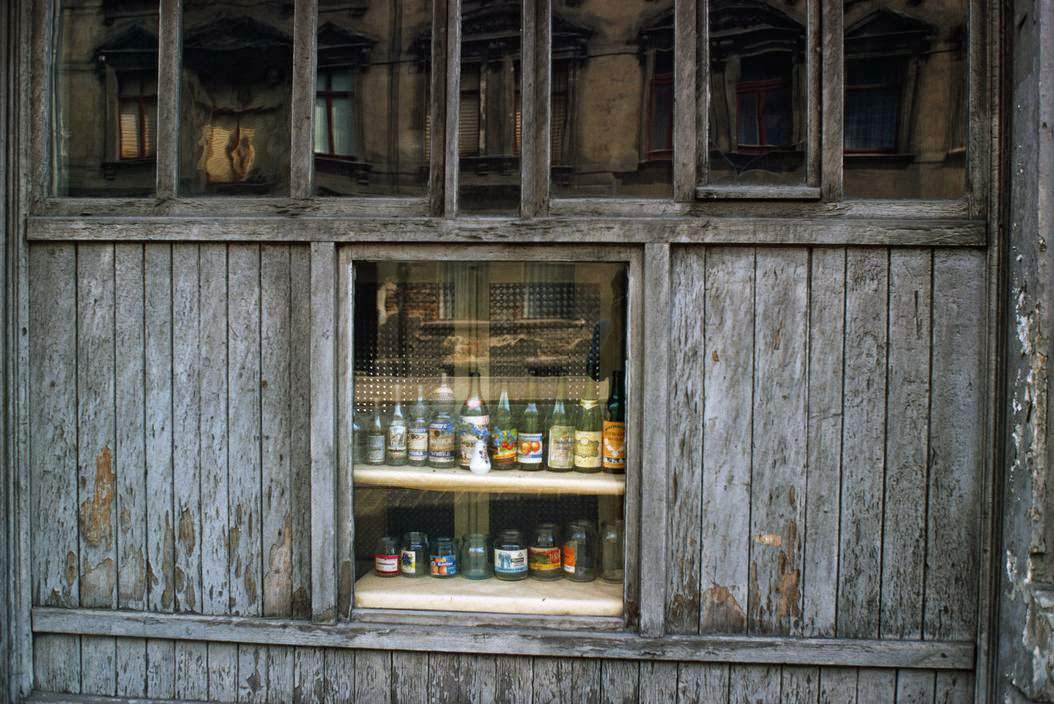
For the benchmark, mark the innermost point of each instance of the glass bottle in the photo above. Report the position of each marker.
(580, 552)
(561, 432)
(375, 436)
(510, 556)
(531, 437)
(386, 558)
(417, 435)
(397, 453)
(441, 431)
(589, 427)
(474, 421)
(503, 433)
(476, 562)
(358, 439)
(613, 457)
(611, 552)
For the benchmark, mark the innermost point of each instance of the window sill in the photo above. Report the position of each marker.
(886, 159)
(773, 192)
(496, 481)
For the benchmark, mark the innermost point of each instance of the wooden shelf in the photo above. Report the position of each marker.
(561, 597)
(497, 481)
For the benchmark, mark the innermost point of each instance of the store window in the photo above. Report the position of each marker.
(488, 439)
(137, 114)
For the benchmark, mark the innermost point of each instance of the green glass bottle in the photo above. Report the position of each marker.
(503, 433)
(589, 427)
(613, 452)
(561, 432)
(531, 437)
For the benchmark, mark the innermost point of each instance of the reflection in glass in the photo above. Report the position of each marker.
(489, 109)
(105, 132)
(371, 98)
(612, 98)
(757, 91)
(905, 93)
(237, 86)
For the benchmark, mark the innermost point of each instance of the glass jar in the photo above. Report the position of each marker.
(580, 552)
(413, 559)
(443, 558)
(611, 552)
(543, 556)
(510, 556)
(386, 557)
(475, 556)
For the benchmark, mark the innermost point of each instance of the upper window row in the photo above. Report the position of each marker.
(612, 98)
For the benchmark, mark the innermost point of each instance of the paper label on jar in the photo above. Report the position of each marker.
(544, 559)
(587, 448)
(561, 447)
(375, 449)
(531, 446)
(569, 557)
(386, 564)
(441, 441)
(473, 428)
(510, 561)
(614, 446)
(444, 565)
(417, 443)
(408, 562)
(503, 445)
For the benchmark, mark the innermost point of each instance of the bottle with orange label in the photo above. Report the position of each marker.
(613, 454)
(543, 554)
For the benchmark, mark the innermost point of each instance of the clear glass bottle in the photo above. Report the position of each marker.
(397, 453)
(613, 454)
(580, 552)
(561, 433)
(375, 436)
(442, 435)
(612, 552)
(589, 427)
(474, 421)
(503, 432)
(358, 439)
(531, 436)
(476, 561)
(417, 434)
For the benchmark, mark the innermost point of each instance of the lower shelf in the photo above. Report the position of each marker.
(561, 597)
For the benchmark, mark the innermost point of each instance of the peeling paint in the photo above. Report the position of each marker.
(96, 511)
(770, 539)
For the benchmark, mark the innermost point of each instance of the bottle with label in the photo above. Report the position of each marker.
(589, 427)
(358, 439)
(510, 556)
(503, 433)
(397, 432)
(613, 454)
(386, 557)
(375, 436)
(474, 421)
(544, 554)
(417, 434)
(441, 430)
(561, 432)
(531, 437)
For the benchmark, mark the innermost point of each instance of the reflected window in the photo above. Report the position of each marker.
(660, 129)
(336, 116)
(871, 106)
(764, 119)
(137, 108)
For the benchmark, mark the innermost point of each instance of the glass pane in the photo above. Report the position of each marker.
(322, 144)
(237, 85)
(612, 118)
(488, 439)
(757, 92)
(905, 88)
(374, 67)
(106, 53)
(490, 89)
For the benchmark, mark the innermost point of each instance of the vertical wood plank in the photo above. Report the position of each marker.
(213, 395)
(838, 685)
(754, 684)
(98, 665)
(275, 425)
(513, 680)
(654, 485)
(915, 686)
(345, 499)
(130, 417)
(832, 17)
(437, 109)
(536, 108)
(863, 418)
(133, 668)
(302, 106)
(158, 381)
(687, 359)
(409, 678)
(252, 673)
(875, 686)
(281, 667)
(478, 678)
(552, 681)
(300, 429)
(373, 676)
(309, 675)
(451, 155)
(777, 479)
(222, 672)
(728, 381)
(169, 82)
(57, 663)
(685, 137)
(954, 687)
(243, 429)
(620, 681)
(161, 668)
(323, 431)
(187, 427)
(823, 476)
(339, 675)
(813, 96)
(702, 683)
(799, 685)
(907, 422)
(658, 682)
(444, 679)
(192, 662)
(956, 445)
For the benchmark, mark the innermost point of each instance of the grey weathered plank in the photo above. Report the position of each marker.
(158, 426)
(450, 99)
(281, 666)
(658, 682)
(302, 103)
(863, 425)
(536, 108)
(275, 430)
(702, 683)
(777, 478)
(687, 360)
(799, 685)
(344, 516)
(213, 418)
(620, 681)
(57, 663)
(550, 683)
(586, 680)
(954, 687)
(161, 668)
(409, 678)
(339, 675)
(753, 684)
(444, 679)
(915, 687)
(252, 673)
(956, 445)
(309, 675)
(169, 79)
(95, 425)
(187, 428)
(838, 685)
(728, 381)
(832, 97)
(907, 423)
(191, 663)
(875, 686)
(373, 676)
(300, 435)
(437, 109)
(98, 665)
(477, 678)
(243, 429)
(222, 672)
(132, 668)
(823, 475)
(513, 680)
(685, 117)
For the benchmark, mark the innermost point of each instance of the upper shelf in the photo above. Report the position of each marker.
(497, 481)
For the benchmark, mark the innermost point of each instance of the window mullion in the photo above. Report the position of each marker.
(685, 161)
(536, 59)
(832, 100)
(302, 129)
(169, 62)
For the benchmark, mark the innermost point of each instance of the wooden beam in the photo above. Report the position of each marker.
(302, 109)
(437, 101)
(940, 655)
(536, 108)
(169, 81)
(685, 114)
(453, 106)
(832, 19)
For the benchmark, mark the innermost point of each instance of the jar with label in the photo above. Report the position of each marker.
(413, 558)
(443, 559)
(386, 557)
(612, 553)
(580, 552)
(510, 556)
(475, 556)
(543, 555)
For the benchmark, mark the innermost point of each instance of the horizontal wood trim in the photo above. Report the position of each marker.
(942, 655)
(53, 698)
(677, 230)
(750, 204)
(758, 192)
(443, 619)
(497, 481)
(375, 207)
